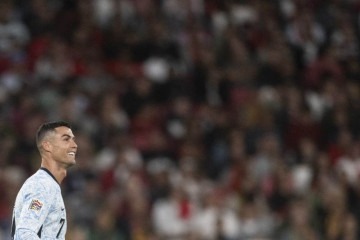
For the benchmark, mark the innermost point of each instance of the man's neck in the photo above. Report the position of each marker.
(58, 172)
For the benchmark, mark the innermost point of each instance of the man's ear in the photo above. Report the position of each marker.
(46, 145)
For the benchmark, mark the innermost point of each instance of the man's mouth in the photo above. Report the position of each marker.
(72, 154)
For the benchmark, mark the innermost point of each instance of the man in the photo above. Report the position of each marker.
(39, 211)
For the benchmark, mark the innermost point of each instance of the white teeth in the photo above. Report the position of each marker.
(72, 153)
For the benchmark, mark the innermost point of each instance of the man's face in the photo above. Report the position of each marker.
(63, 146)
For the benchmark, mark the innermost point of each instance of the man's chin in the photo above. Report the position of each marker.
(70, 164)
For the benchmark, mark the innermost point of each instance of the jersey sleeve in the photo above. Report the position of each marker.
(37, 202)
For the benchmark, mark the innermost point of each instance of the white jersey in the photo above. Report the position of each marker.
(39, 211)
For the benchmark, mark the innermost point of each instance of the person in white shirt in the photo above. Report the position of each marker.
(39, 211)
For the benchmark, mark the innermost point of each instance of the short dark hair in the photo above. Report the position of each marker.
(49, 127)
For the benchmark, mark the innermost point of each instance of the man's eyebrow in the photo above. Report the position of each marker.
(67, 135)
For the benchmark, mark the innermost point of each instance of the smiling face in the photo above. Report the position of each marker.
(61, 146)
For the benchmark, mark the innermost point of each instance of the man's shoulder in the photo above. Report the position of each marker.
(40, 180)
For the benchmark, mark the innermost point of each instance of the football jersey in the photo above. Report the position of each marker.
(39, 211)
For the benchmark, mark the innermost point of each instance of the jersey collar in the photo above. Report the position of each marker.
(51, 175)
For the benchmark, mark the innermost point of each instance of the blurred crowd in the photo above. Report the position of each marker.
(195, 119)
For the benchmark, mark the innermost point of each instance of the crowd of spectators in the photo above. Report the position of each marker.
(195, 119)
